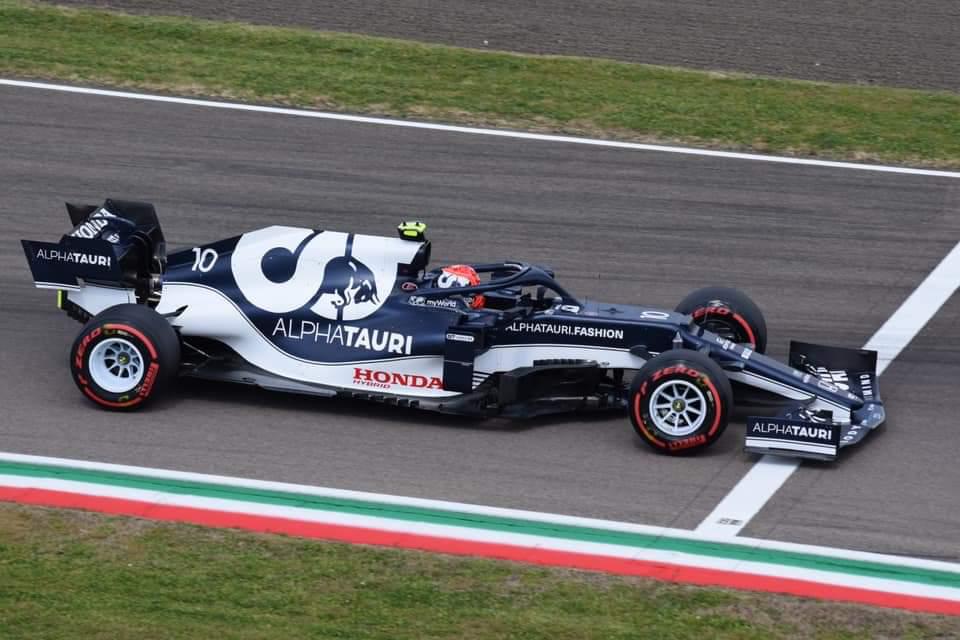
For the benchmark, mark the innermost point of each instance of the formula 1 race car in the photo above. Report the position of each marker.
(349, 315)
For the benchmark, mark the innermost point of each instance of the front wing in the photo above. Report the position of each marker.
(800, 432)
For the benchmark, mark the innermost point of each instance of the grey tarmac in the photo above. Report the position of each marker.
(886, 42)
(828, 254)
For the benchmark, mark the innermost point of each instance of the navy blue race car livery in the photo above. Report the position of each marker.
(342, 314)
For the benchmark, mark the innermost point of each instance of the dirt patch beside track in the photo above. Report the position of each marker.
(883, 42)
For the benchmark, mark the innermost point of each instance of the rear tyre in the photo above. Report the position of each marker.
(125, 357)
(729, 313)
(680, 402)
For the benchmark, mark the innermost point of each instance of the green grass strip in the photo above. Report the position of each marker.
(68, 575)
(490, 523)
(375, 75)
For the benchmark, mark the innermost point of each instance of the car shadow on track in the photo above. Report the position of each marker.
(255, 398)
(216, 392)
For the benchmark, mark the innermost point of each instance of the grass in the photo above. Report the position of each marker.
(70, 574)
(375, 75)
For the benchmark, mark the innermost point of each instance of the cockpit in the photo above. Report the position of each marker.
(502, 287)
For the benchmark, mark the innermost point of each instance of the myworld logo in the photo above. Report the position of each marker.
(440, 303)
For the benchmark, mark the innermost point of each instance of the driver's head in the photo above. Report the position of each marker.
(461, 275)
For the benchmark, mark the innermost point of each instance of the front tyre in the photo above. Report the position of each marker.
(729, 313)
(680, 402)
(125, 357)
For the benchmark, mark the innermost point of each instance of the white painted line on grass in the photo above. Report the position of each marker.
(503, 133)
(770, 472)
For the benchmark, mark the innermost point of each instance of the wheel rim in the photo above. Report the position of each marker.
(116, 365)
(678, 408)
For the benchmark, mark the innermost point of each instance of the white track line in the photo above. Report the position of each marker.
(503, 133)
(895, 581)
(770, 472)
(162, 496)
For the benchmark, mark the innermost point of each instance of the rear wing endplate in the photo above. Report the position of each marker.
(57, 265)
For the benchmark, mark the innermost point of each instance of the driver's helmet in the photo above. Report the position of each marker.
(461, 275)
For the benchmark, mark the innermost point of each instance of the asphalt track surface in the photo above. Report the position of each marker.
(889, 42)
(829, 254)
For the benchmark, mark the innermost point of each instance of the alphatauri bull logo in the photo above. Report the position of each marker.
(348, 281)
(338, 276)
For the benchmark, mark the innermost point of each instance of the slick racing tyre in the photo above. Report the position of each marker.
(729, 313)
(125, 356)
(680, 401)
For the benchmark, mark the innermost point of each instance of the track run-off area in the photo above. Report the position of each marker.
(837, 253)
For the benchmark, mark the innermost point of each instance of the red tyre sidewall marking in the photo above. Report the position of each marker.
(718, 403)
(107, 403)
(690, 372)
(147, 343)
(637, 413)
(746, 325)
(724, 311)
(82, 349)
(149, 378)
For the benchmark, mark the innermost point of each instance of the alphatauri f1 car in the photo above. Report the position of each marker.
(333, 313)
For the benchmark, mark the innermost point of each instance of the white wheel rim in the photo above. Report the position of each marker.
(678, 408)
(116, 365)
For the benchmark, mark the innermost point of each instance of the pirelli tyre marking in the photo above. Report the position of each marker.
(99, 372)
(125, 356)
(725, 316)
(676, 406)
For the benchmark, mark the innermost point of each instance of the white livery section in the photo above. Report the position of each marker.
(758, 445)
(368, 265)
(211, 314)
(94, 299)
(841, 414)
(508, 358)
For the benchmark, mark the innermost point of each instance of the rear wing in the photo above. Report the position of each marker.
(118, 243)
(798, 432)
(59, 265)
